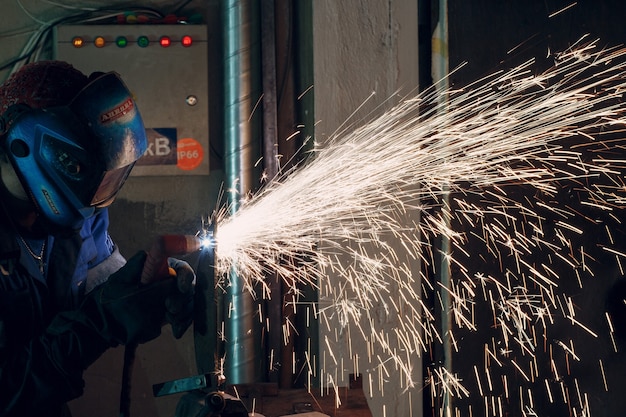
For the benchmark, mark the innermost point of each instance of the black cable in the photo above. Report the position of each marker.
(42, 35)
(130, 351)
(76, 18)
(178, 8)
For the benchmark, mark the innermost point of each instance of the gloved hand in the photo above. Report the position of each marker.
(128, 311)
(125, 310)
(179, 304)
(122, 310)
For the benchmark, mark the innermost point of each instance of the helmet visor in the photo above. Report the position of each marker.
(110, 184)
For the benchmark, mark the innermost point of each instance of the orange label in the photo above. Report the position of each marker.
(189, 153)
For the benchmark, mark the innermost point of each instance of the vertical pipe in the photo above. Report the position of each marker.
(270, 128)
(270, 157)
(440, 72)
(287, 122)
(307, 324)
(424, 44)
(426, 20)
(241, 94)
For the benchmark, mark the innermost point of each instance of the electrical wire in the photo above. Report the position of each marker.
(85, 15)
(65, 6)
(177, 9)
(18, 32)
(27, 13)
(40, 36)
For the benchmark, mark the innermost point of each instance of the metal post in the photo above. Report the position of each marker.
(241, 94)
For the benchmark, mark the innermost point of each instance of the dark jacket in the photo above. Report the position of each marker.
(39, 372)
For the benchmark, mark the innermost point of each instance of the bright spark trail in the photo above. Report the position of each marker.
(485, 167)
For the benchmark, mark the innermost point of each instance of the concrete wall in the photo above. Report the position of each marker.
(362, 47)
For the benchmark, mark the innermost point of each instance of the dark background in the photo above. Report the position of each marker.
(493, 35)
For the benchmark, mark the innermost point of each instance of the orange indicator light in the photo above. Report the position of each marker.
(78, 42)
(99, 42)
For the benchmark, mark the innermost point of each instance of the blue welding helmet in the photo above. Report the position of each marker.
(72, 159)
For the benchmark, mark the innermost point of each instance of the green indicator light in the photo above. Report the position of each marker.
(121, 41)
(143, 41)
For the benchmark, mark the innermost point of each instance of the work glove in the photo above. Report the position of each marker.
(123, 311)
(126, 311)
(132, 312)
(179, 304)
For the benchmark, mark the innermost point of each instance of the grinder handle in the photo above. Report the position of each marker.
(164, 246)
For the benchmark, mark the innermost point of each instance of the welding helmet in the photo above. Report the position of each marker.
(71, 158)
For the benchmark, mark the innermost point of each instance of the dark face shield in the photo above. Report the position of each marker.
(74, 159)
(110, 184)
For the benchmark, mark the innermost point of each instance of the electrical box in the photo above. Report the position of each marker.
(165, 67)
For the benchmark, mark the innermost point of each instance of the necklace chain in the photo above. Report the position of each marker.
(38, 258)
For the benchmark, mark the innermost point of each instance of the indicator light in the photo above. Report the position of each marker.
(186, 41)
(165, 41)
(78, 42)
(121, 41)
(99, 42)
(143, 41)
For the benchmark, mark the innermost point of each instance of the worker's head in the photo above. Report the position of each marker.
(67, 142)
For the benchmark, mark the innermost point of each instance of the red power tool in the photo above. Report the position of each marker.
(156, 267)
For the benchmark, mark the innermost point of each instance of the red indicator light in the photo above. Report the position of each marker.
(186, 41)
(165, 41)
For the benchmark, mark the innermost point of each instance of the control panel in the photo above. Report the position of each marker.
(165, 67)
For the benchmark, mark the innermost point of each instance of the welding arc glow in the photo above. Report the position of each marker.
(359, 220)
(206, 242)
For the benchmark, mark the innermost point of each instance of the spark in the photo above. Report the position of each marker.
(606, 385)
(360, 219)
(562, 10)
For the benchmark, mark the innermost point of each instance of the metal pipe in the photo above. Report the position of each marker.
(270, 123)
(308, 327)
(440, 72)
(241, 94)
(273, 305)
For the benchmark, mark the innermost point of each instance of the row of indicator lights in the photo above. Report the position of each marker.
(122, 41)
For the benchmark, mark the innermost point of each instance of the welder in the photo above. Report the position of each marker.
(68, 142)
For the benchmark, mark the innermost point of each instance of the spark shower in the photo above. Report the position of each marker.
(511, 186)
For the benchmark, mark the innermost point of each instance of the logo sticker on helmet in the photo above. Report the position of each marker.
(117, 112)
(53, 207)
